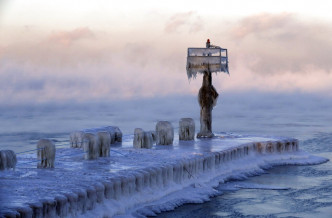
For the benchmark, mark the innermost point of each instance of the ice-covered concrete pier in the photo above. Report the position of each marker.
(139, 182)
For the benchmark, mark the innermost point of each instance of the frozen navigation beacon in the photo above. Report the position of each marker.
(212, 59)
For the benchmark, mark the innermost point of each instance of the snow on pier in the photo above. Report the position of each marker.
(139, 181)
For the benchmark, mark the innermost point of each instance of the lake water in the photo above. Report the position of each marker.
(304, 191)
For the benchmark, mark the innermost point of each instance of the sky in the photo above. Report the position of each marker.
(80, 50)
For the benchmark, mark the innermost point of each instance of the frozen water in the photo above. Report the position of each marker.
(304, 116)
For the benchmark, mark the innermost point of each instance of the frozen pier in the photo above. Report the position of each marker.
(139, 182)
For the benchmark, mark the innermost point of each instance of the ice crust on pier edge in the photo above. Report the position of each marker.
(141, 181)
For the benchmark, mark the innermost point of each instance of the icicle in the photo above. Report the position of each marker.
(72, 203)
(62, 205)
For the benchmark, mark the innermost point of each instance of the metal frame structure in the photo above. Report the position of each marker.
(209, 59)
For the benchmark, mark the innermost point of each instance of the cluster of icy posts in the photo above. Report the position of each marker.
(164, 134)
(96, 142)
(140, 182)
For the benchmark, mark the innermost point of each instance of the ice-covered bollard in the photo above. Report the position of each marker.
(186, 129)
(138, 138)
(148, 140)
(118, 134)
(111, 131)
(76, 139)
(165, 133)
(142, 139)
(91, 146)
(45, 153)
(104, 143)
(7, 159)
(115, 132)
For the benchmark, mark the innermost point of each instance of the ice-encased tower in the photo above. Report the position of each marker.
(212, 59)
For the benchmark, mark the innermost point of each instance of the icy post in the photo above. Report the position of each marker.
(186, 129)
(91, 146)
(104, 143)
(164, 133)
(207, 99)
(45, 153)
(76, 138)
(142, 139)
(7, 159)
(206, 61)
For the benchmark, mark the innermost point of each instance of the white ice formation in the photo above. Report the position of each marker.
(200, 60)
(45, 153)
(104, 143)
(91, 146)
(138, 138)
(186, 129)
(142, 139)
(118, 134)
(164, 133)
(7, 159)
(142, 182)
(76, 138)
(148, 139)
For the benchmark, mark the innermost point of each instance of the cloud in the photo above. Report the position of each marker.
(138, 53)
(59, 50)
(66, 38)
(279, 43)
(268, 52)
(38, 69)
(260, 23)
(189, 21)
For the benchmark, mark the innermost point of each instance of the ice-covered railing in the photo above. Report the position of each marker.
(200, 60)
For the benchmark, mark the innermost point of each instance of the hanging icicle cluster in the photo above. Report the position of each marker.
(200, 60)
